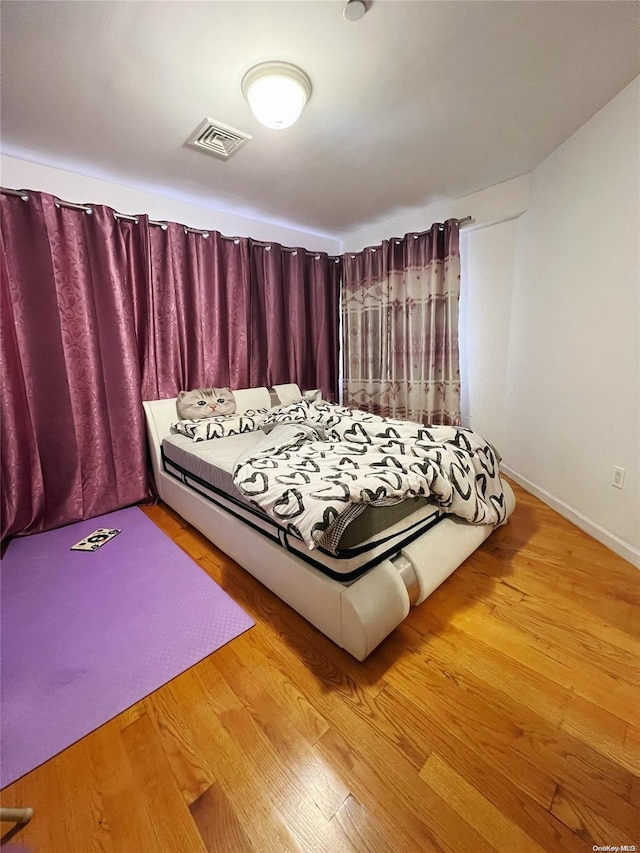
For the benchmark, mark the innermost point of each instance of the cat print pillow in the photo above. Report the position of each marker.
(205, 403)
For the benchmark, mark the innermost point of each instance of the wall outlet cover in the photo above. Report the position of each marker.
(618, 477)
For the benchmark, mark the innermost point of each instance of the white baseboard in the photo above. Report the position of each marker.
(610, 540)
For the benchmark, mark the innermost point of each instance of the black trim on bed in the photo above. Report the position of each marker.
(282, 536)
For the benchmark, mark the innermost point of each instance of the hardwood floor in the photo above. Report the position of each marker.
(502, 715)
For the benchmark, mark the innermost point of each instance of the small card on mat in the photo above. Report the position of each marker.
(95, 540)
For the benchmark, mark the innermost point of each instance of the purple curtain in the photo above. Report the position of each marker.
(99, 313)
(197, 329)
(400, 327)
(295, 318)
(235, 312)
(72, 434)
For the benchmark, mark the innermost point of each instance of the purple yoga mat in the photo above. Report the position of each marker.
(85, 635)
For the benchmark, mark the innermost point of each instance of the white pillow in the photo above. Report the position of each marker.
(222, 426)
(290, 393)
(251, 398)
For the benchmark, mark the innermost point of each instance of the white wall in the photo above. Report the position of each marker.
(487, 207)
(70, 186)
(488, 261)
(573, 377)
(549, 320)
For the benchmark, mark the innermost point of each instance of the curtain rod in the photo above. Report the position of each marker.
(72, 205)
(127, 217)
(462, 221)
(414, 234)
(205, 233)
(23, 194)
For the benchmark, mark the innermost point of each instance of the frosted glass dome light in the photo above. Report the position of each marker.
(277, 93)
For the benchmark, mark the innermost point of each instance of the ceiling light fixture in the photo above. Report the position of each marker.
(277, 93)
(354, 10)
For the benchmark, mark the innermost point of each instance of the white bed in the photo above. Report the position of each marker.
(357, 616)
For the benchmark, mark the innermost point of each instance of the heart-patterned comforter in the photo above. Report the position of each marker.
(320, 459)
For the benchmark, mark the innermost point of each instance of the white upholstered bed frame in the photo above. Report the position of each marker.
(356, 616)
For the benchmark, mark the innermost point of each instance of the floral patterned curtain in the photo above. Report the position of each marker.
(400, 327)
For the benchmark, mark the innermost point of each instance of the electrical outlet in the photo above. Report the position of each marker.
(618, 477)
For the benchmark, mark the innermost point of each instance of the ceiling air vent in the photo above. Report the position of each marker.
(217, 139)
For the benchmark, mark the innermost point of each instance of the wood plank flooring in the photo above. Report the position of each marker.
(502, 715)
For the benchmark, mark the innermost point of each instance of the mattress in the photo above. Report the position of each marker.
(376, 534)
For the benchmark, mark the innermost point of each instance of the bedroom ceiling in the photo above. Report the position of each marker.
(417, 101)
